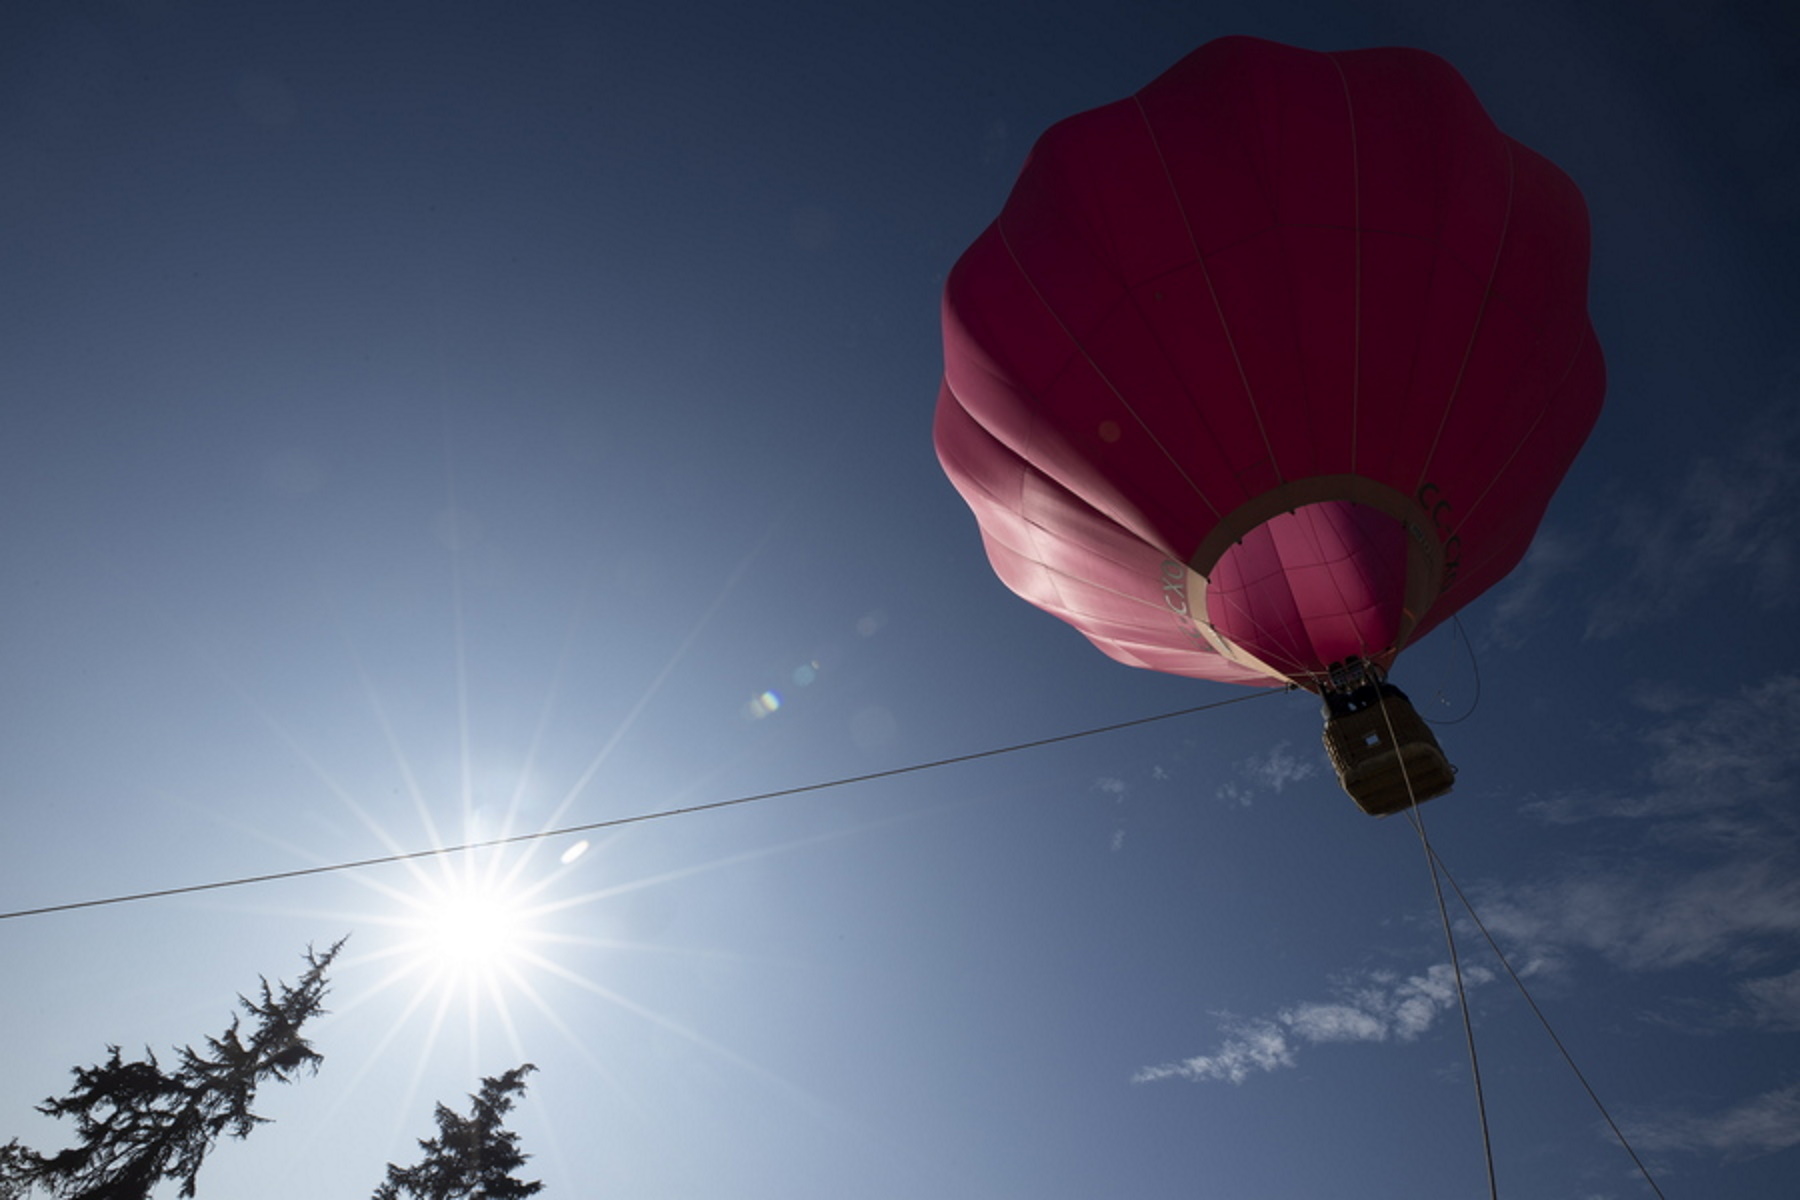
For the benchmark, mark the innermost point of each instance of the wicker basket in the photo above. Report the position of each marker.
(1381, 749)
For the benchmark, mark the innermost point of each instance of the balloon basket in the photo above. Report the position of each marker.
(1386, 757)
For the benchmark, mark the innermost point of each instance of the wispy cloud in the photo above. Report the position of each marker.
(1761, 1125)
(1645, 919)
(1249, 1048)
(1718, 768)
(1730, 520)
(1279, 767)
(1772, 1002)
(1715, 872)
(1555, 555)
(1268, 772)
(1377, 1007)
(1735, 749)
(1732, 515)
(1701, 869)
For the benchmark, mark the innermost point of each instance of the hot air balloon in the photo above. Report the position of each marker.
(1265, 371)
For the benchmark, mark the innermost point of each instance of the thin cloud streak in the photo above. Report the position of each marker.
(1760, 1125)
(1772, 1002)
(1715, 877)
(1643, 920)
(1729, 525)
(1716, 770)
(1732, 515)
(1379, 1008)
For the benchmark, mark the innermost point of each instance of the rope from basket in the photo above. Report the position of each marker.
(1462, 994)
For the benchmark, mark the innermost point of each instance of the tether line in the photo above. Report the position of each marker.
(634, 819)
(1545, 1022)
(1462, 992)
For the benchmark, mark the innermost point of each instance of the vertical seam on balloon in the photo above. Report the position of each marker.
(1036, 532)
(1277, 645)
(1291, 306)
(1343, 600)
(1006, 241)
(1588, 336)
(1356, 242)
(1211, 291)
(1307, 515)
(1304, 523)
(1151, 433)
(1487, 295)
(1440, 218)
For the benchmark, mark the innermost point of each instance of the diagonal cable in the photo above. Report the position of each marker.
(634, 819)
(1462, 994)
(1438, 865)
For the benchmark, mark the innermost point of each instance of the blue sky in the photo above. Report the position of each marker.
(430, 422)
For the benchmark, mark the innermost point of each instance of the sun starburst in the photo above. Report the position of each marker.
(470, 929)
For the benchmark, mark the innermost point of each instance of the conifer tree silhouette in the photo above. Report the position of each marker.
(137, 1123)
(473, 1157)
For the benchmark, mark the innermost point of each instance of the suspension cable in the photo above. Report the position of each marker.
(1462, 993)
(1568, 1058)
(1441, 871)
(634, 819)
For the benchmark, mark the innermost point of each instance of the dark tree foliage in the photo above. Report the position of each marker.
(12, 1170)
(473, 1157)
(139, 1124)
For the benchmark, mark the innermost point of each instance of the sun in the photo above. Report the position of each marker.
(471, 929)
(474, 940)
(466, 931)
(474, 931)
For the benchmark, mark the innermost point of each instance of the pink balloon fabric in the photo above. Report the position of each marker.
(1278, 361)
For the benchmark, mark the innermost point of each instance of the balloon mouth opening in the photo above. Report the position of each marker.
(1311, 586)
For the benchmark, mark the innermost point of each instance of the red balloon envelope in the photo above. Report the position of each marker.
(1274, 363)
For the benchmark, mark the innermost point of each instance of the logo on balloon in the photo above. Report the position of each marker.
(1443, 516)
(1174, 589)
